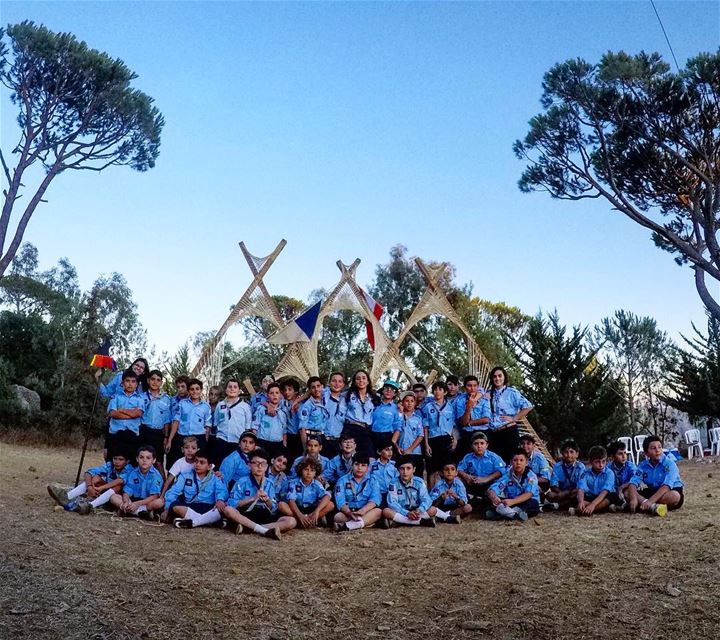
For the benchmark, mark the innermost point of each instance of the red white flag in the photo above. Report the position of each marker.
(376, 310)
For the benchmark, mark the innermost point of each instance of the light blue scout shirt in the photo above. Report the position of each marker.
(410, 429)
(593, 483)
(321, 459)
(356, 493)
(511, 486)
(481, 466)
(257, 400)
(384, 473)
(566, 477)
(665, 472)
(505, 402)
(124, 401)
(157, 410)
(141, 486)
(247, 487)
(439, 419)
(174, 402)
(192, 488)
(313, 415)
(623, 473)
(192, 418)
(480, 410)
(337, 467)
(108, 474)
(306, 495)
(540, 465)
(293, 419)
(336, 409)
(441, 486)
(281, 483)
(271, 428)
(113, 387)
(234, 467)
(384, 416)
(358, 411)
(404, 498)
(232, 419)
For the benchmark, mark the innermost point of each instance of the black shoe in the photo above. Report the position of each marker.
(383, 523)
(453, 520)
(427, 522)
(183, 523)
(273, 534)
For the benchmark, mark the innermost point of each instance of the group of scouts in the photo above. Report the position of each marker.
(347, 458)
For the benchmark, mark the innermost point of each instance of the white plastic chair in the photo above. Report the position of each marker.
(627, 441)
(715, 441)
(639, 453)
(692, 439)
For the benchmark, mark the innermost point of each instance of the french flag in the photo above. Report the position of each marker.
(377, 311)
(299, 330)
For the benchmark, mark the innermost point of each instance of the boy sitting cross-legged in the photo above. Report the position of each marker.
(659, 473)
(565, 477)
(536, 461)
(142, 486)
(252, 504)
(596, 485)
(99, 485)
(383, 469)
(237, 464)
(449, 494)
(357, 497)
(197, 497)
(479, 469)
(625, 495)
(515, 495)
(307, 499)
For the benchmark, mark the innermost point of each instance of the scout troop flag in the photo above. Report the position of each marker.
(102, 358)
(376, 310)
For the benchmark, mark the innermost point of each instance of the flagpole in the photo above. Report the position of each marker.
(88, 429)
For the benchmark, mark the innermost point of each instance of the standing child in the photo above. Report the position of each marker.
(215, 394)
(449, 494)
(625, 494)
(335, 405)
(197, 497)
(253, 504)
(290, 404)
(472, 412)
(663, 490)
(271, 423)
(307, 501)
(438, 423)
(232, 418)
(181, 392)
(479, 469)
(237, 464)
(385, 416)
(313, 413)
(261, 396)
(126, 411)
(357, 497)
(360, 401)
(595, 486)
(191, 418)
(565, 477)
(409, 432)
(156, 418)
(142, 486)
(515, 495)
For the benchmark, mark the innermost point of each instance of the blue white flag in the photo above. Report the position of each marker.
(299, 330)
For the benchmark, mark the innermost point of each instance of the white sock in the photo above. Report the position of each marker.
(404, 519)
(141, 508)
(102, 498)
(443, 515)
(77, 491)
(258, 529)
(200, 519)
(355, 524)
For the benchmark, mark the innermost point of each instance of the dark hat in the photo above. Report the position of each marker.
(479, 435)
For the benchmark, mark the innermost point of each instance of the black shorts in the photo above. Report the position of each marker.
(154, 438)
(197, 507)
(259, 515)
(125, 442)
(441, 447)
(308, 509)
(647, 492)
(273, 448)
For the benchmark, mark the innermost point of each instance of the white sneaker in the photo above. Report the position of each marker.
(505, 511)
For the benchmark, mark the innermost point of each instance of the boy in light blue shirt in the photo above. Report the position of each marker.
(565, 478)
(515, 495)
(625, 496)
(449, 494)
(384, 471)
(357, 497)
(307, 500)
(536, 461)
(237, 464)
(409, 433)
(385, 416)
(192, 418)
(142, 486)
(271, 423)
(479, 469)
(663, 489)
(313, 415)
(342, 463)
(472, 413)
(313, 447)
(596, 485)
(125, 410)
(155, 426)
(335, 404)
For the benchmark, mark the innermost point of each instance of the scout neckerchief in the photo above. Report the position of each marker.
(497, 395)
(356, 493)
(260, 487)
(411, 490)
(363, 403)
(199, 486)
(231, 406)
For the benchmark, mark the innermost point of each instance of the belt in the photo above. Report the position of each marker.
(362, 425)
(507, 425)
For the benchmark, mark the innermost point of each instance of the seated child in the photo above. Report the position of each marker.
(408, 499)
(357, 497)
(142, 486)
(99, 484)
(237, 464)
(515, 495)
(276, 473)
(197, 497)
(658, 472)
(480, 468)
(252, 504)
(536, 461)
(409, 433)
(565, 477)
(384, 471)
(596, 485)
(232, 418)
(313, 447)
(449, 494)
(270, 423)
(307, 499)
(342, 463)
(625, 495)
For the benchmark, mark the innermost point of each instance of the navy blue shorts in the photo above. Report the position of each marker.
(258, 515)
(197, 507)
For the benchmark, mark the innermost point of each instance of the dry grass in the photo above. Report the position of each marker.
(67, 576)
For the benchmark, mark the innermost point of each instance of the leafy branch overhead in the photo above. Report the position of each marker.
(76, 110)
(643, 138)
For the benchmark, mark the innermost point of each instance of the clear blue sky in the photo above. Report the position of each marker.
(347, 128)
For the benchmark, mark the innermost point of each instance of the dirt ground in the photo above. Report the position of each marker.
(613, 576)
